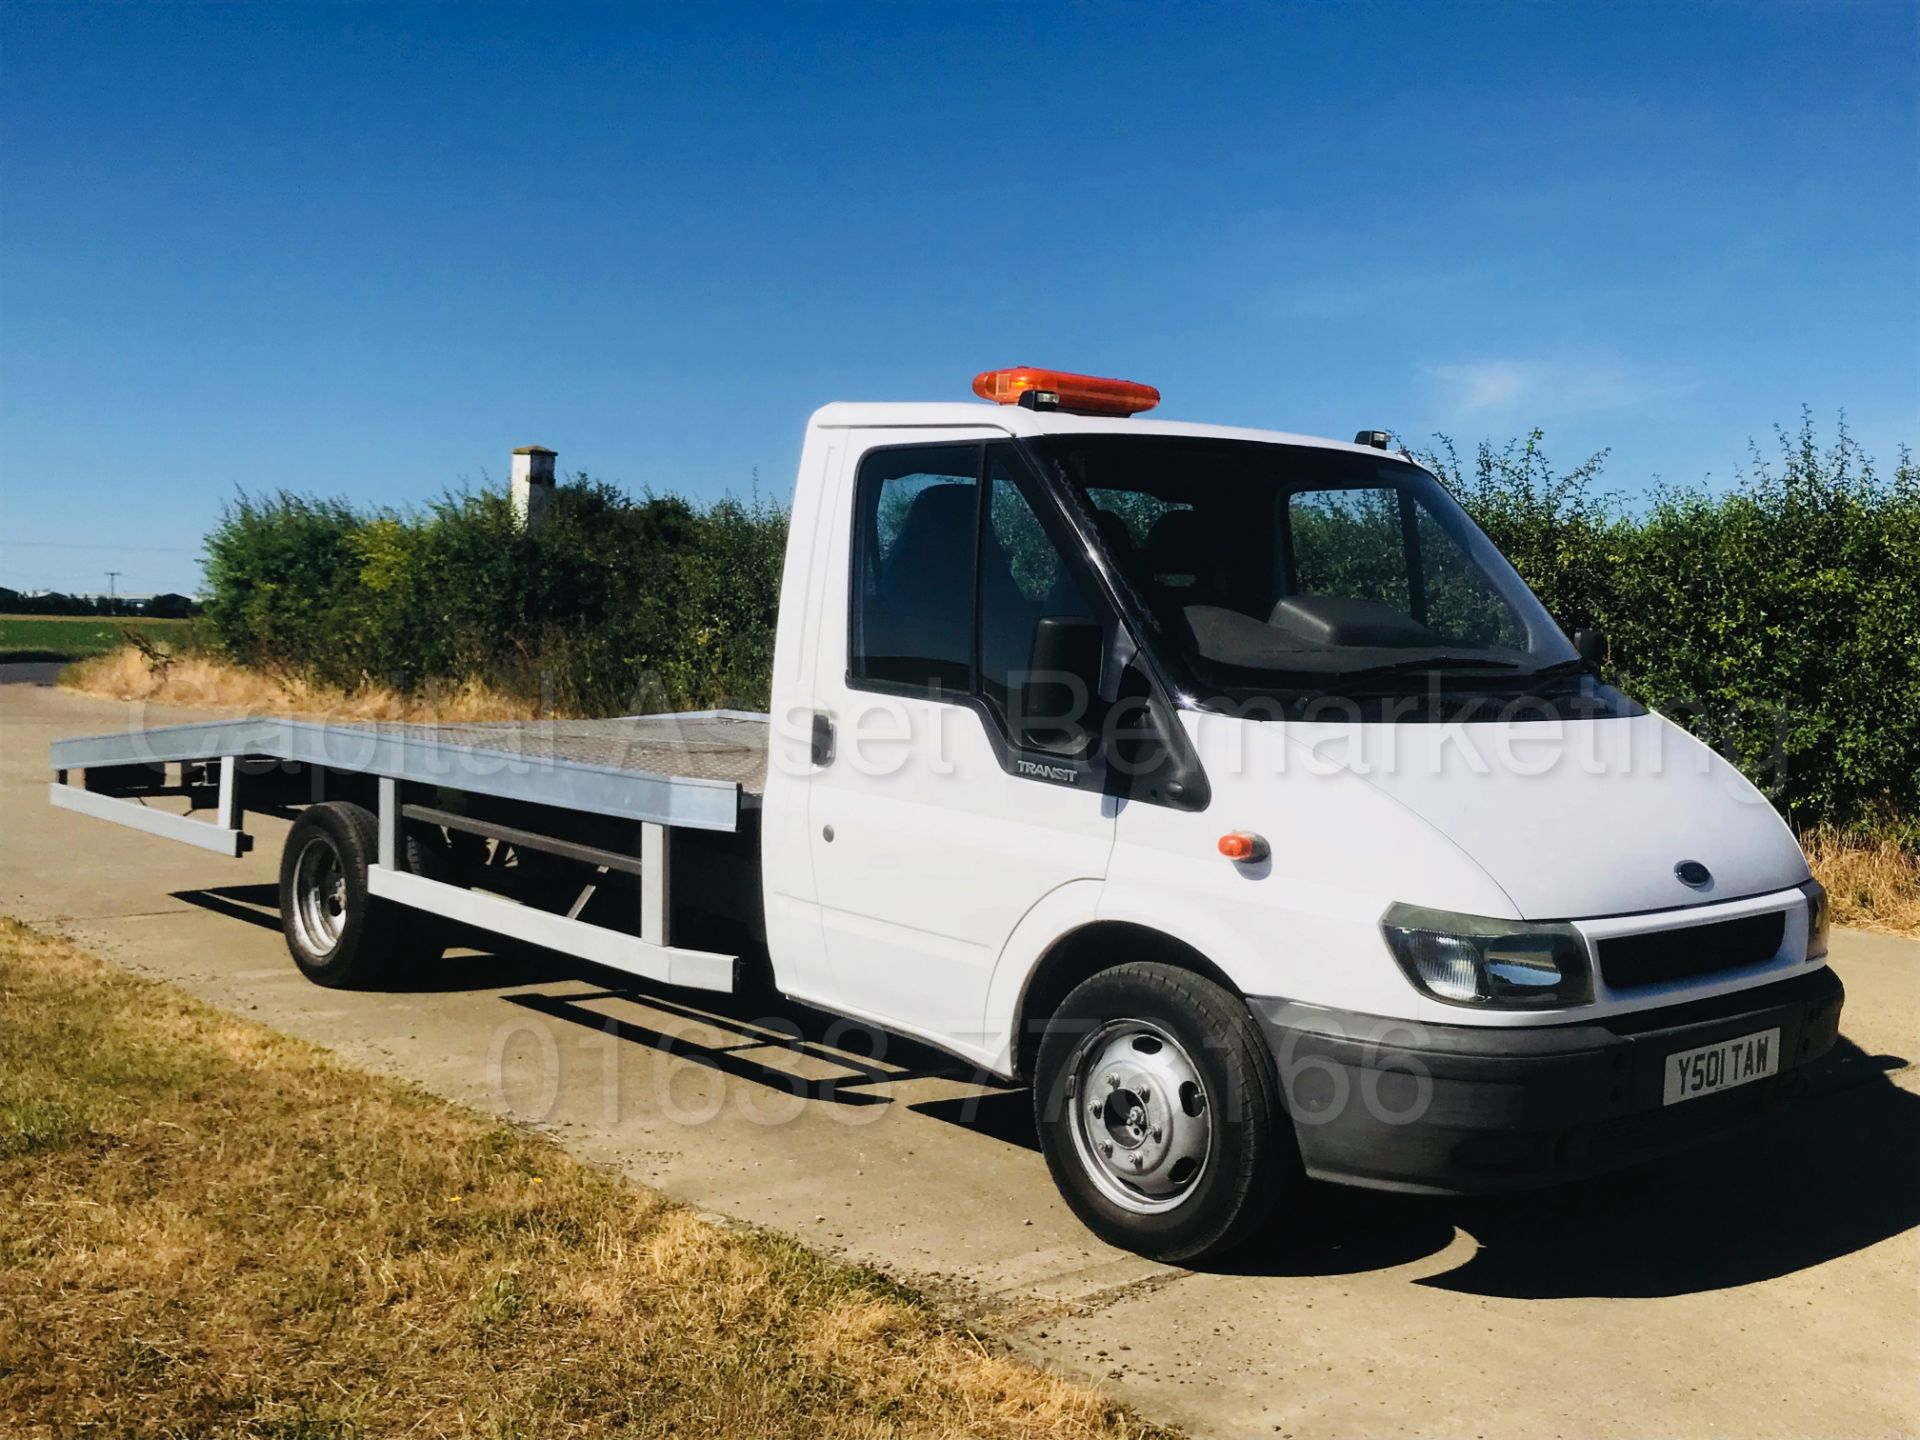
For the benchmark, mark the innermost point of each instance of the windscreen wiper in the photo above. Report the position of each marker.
(1430, 662)
(1575, 666)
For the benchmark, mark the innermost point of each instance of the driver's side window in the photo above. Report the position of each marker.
(951, 580)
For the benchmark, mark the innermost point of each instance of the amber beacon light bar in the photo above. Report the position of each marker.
(1061, 390)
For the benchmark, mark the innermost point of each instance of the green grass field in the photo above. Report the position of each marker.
(67, 637)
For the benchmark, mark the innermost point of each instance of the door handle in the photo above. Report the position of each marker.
(822, 747)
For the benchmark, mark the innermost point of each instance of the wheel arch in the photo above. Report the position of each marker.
(1084, 952)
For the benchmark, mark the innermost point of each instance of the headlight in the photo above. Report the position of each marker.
(1819, 919)
(1501, 964)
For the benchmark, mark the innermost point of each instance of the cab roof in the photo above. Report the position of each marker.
(1019, 421)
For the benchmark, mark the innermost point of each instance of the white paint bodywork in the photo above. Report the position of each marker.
(937, 853)
(947, 880)
(1449, 824)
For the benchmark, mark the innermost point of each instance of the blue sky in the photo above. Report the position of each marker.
(367, 250)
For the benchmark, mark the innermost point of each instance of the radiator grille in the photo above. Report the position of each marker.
(1660, 955)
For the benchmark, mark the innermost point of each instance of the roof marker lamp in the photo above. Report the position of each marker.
(1488, 963)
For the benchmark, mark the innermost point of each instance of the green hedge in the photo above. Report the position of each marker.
(1780, 618)
(611, 606)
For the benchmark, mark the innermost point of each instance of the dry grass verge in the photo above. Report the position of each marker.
(210, 1229)
(1873, 884)
(198, 682)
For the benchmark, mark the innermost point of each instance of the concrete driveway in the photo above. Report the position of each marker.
(1764, 1286)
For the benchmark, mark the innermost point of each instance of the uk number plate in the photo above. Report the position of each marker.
(1692, 1073)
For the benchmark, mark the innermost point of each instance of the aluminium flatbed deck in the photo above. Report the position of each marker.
(695, 771)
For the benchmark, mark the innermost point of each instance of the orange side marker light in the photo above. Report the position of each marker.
(1243, 847)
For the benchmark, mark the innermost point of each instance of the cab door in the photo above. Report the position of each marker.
(930, 838)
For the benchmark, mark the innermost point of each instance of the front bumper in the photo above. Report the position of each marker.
(1465, 1109)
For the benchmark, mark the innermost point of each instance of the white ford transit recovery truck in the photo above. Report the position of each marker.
(1226, 786)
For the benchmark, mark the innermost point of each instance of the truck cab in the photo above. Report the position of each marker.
(1232, 789)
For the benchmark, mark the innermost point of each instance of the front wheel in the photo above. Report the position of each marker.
(1159, 1113)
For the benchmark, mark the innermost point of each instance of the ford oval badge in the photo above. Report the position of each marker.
(1692, 872)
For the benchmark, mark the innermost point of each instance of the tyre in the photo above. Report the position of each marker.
(339, 935)
(1160, 1115)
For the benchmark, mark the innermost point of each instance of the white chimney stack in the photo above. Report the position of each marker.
(532, 486)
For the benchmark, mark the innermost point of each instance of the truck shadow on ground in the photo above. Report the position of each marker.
(488, 968)
(1829, 1175)
(255, 904)
(1832, 1174)
(760, 1036)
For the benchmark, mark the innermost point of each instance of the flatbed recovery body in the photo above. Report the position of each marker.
(697, 772)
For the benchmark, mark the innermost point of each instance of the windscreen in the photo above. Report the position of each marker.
(1269, 570)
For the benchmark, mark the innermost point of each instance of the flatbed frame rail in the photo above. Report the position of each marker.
(716, 765)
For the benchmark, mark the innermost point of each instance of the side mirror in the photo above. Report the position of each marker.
(1592, 646)
(1062, 685)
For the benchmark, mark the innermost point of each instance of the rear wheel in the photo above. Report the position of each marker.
(1159, 1113)
(339, 935)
